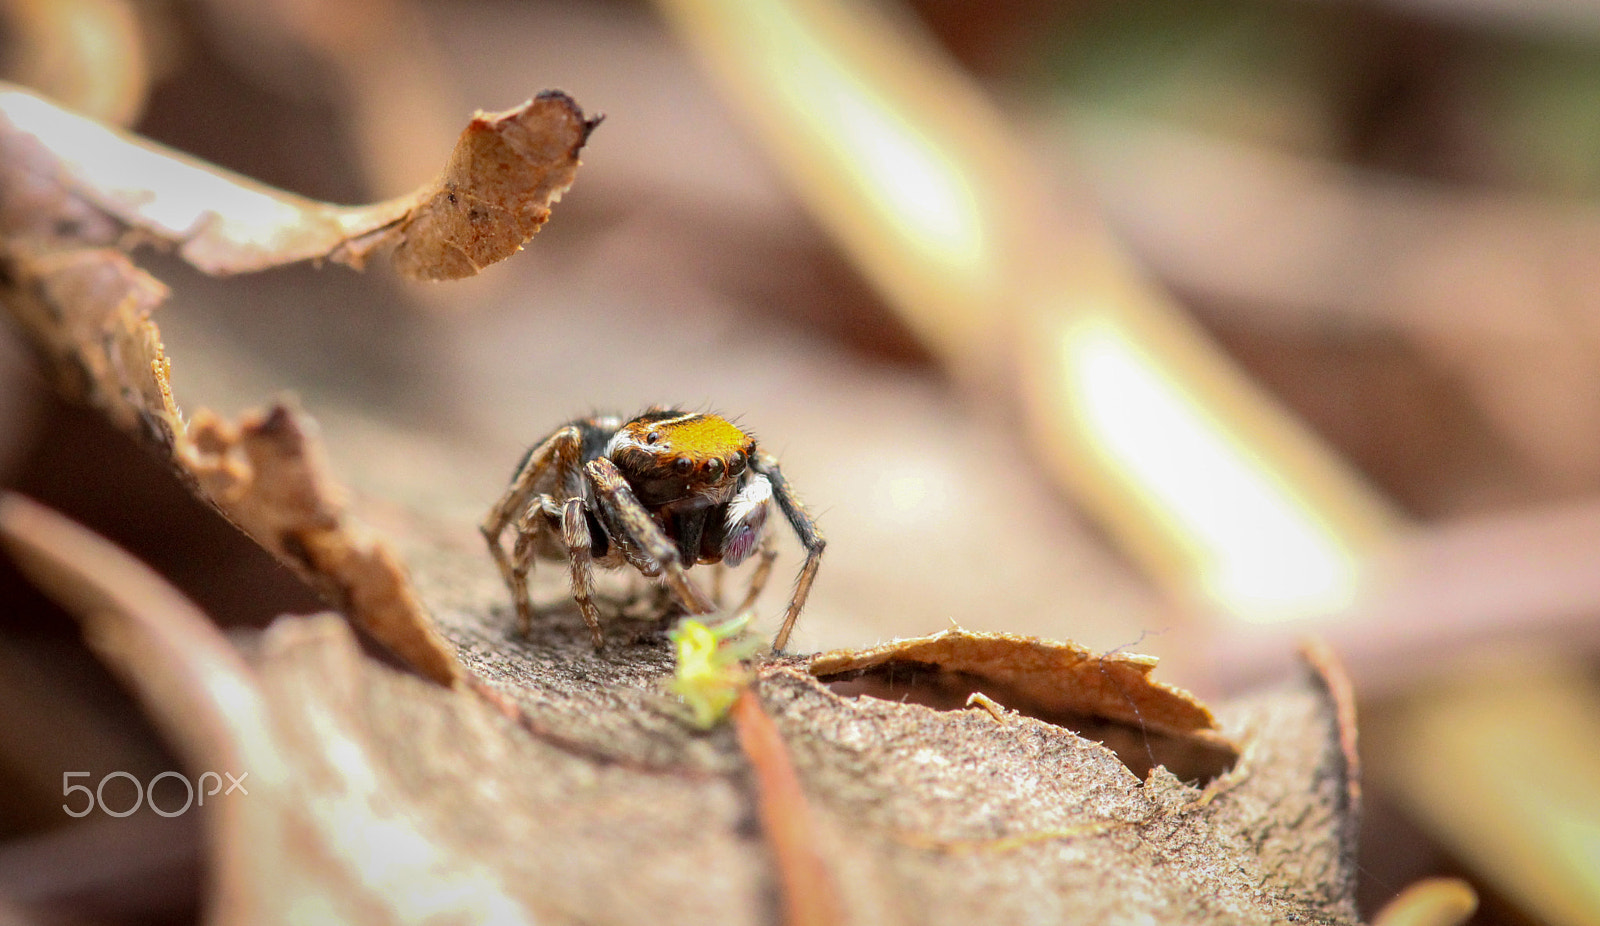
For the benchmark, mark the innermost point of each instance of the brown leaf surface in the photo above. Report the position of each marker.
(810, 897)
(89, 312)
(342, 757)
(562, 785)
(70, 181)
(917, 816)
(496, 191)
(576, 766)
(78, 182)
(1046, 675)
(268, 476)
(1150, 723)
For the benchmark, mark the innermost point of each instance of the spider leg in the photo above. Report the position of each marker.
(643, 531)
(806, 529)
(575, 533)
(561, 450)
(523, 554)
(719, 574)
(763, 572)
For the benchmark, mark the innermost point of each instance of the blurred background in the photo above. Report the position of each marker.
(1186, 327)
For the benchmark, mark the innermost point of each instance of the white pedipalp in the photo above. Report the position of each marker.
(747, 519)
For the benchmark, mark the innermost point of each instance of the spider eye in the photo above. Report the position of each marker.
(652, 437)
(714, 468)
(682, 466)
(736, 465)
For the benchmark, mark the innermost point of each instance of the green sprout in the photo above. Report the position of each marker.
(710, 671)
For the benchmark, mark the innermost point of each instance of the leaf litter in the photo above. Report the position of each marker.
(864, 809)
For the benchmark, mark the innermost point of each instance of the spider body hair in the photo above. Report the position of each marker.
(662, 492)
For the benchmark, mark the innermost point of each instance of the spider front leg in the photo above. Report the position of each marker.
(719, 572)
(758, 582)
(575, 533)
(643, 531)
(806, 529)
(561, 452)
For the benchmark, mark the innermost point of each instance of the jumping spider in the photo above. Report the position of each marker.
(661, 493)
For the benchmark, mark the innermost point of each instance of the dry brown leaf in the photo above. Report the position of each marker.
(1056, 681)
(1331, 672)
(1108, 698)
(495, 193)
(69, 181)
(171, 655)
(89, 312)
(80, 182)
(268, 476)
(916, 816)
(383, 798)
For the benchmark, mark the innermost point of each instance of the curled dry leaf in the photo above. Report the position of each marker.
(68, 181)
(268, 476)
(901, 813)
(1059, 682)
(78, 182)
(88, 311)
(338, 755)
(494, 194)
(1048, 675)
(191, 682)
(1331, 673)
(600, 805)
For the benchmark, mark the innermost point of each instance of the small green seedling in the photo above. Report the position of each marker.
(710, 672)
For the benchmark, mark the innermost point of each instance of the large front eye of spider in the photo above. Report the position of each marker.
(736, 465)
(714, 469)
(683, 466)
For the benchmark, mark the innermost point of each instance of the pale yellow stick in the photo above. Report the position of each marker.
(1223, 496)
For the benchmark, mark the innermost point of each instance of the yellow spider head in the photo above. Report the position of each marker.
(696, 453)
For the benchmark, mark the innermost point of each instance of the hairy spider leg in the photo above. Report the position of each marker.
(561, 449)
(758, 581)
(524, 553)
(719, 573)
(575, 533)
(806, 529)
(644, 533)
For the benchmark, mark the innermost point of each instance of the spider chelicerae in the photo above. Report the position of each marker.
(661, 492)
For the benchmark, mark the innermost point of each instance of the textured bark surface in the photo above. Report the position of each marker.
(573, 791)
